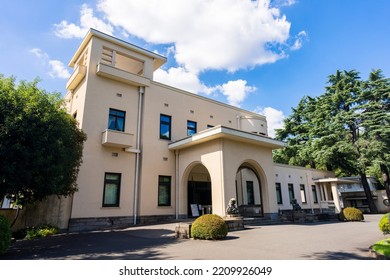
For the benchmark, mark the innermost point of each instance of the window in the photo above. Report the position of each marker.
(164, 190)
(112, 183)
(303, 193)
(249, 193)
(116, 120)
(291, 192)
(191, 128)
(279, 193)
(314, 191)
(165, 127)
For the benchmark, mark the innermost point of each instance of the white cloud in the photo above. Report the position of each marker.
(213, 34)
(283, 3)
(236, 91)
(56, 69)
(68, 30)
(299, 39)
(274, 118)
(201, 35)
(181, 78)
(39, 53)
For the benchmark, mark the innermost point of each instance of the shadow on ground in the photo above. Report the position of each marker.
(333, 255)
(135, 244)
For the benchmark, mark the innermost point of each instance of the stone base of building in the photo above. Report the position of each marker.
(88, 224)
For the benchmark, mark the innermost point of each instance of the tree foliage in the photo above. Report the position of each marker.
(346, 129)
(40, 144)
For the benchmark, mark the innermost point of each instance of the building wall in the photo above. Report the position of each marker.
(53, 210)
(297, 176)
(101, 90)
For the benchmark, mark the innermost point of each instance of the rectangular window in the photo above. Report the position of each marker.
(111, 192)
(165, 127)
(116, 120)
(191, 128)
(164, 190)
(250, 193)
(279, 193)
(303, 193)
(315, 196)
(291, 192)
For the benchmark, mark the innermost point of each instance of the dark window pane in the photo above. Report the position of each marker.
(116, 120)
(191, 128)
(165, 127)
(164, 191)
(111, 190)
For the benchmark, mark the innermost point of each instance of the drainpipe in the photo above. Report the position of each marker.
(177, 185)
(141, 91)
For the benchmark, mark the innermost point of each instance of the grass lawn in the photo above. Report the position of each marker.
(382, 247)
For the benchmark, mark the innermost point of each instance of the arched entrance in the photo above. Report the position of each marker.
(199, 191)
(248, 191)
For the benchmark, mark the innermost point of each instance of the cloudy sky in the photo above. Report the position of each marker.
(263, 56)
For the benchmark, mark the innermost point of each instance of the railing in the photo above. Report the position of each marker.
(117, 139)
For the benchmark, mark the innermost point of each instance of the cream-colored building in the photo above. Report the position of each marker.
(156, 152)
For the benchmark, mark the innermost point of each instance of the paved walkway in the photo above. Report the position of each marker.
(320, 241)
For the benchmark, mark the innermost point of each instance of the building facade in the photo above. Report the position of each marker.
(349, 192)
(156, 152)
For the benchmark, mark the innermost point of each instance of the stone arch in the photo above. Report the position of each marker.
(196, 185)
(251, 188)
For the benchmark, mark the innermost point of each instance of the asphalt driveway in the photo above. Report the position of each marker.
(319, 241)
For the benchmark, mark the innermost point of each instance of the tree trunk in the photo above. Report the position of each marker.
(367, 191)
(386, 179)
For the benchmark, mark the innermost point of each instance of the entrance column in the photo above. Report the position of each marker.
(336, 197)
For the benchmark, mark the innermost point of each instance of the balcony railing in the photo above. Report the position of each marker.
(120, 75)
(118, 139)
(76, 77)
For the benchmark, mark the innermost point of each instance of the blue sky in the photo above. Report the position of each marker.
(263, 56)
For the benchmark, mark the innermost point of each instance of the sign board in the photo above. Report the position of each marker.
(194, 210)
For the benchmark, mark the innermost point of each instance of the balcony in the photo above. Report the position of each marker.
(120, 67)
(117, 139)
(76, 77)
(120, 75)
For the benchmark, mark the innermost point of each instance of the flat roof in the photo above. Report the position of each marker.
(337, 180)
(159, 60)
(219, 131)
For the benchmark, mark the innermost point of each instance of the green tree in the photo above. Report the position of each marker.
(40, 144)
(375, 107)
(346, 129)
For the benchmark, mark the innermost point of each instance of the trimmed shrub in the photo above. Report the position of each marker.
(5, 234)
(209, 226)
(352, 214)
(384, 224)
(42, 231)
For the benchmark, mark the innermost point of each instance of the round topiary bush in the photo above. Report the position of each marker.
(209, 226)
(352, 214)
(384, 225)
(5, 234)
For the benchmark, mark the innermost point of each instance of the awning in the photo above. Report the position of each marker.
(219, 132)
